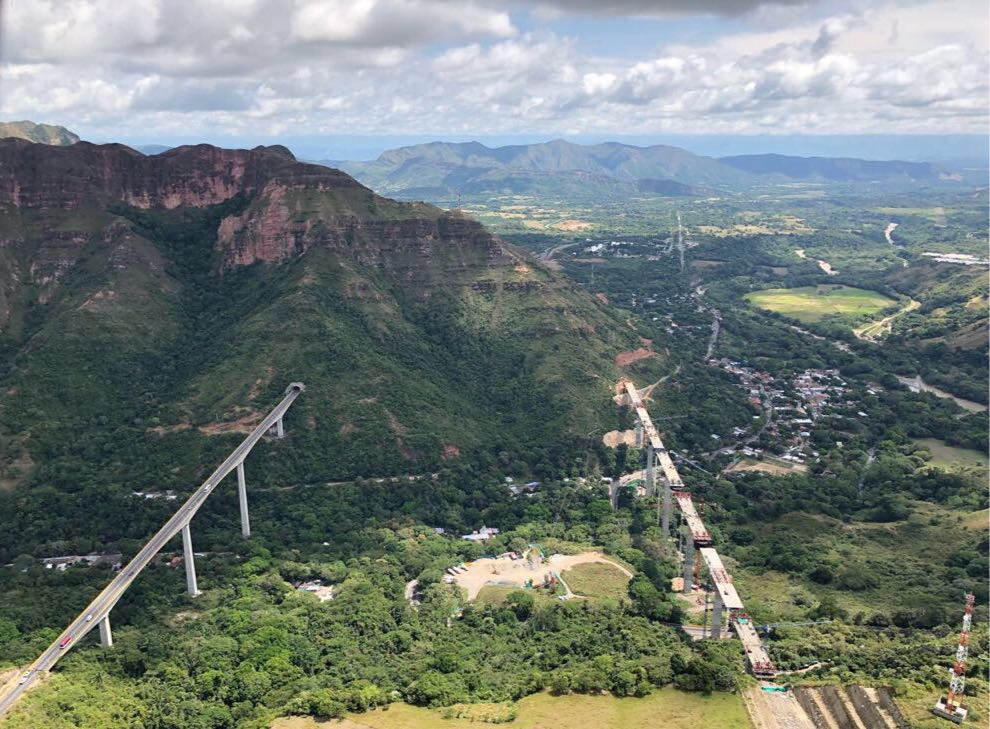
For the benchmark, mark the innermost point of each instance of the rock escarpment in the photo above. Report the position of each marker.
(57, 202)
(41, 177)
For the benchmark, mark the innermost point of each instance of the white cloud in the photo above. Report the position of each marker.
(396, 66)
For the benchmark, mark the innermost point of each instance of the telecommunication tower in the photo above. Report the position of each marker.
(948, 707)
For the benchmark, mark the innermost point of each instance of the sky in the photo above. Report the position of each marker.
(173, 71)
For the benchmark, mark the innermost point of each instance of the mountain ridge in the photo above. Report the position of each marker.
(839, 169)
(40, 133)
(442, 168)
(159, 302)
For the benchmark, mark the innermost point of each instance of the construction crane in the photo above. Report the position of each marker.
(948, 707)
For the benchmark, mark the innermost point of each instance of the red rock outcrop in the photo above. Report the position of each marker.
(37, 176)
(327, 209)
(294, 207)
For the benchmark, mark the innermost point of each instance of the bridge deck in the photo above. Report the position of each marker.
(756, 655)
(644, 417)
(104, 602)
(701, 536)
(722, 580)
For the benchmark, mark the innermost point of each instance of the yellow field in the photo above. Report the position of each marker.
(813, 303)
(663, 709)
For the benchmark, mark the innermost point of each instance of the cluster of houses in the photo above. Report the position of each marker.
(61, 564)
(481, 535)
(794, 406)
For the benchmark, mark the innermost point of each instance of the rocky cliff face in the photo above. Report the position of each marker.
(329, 210)
(294, 208)
(56, 203)
(35, 176)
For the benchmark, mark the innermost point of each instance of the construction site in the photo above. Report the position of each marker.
(727, 605)
(770, 705)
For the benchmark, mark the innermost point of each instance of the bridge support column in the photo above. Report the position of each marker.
(688, 572)
(187, 551)
(106, 637)
(717, 616)
(650, 470)
(667, 498)
(242, 498)
(613, 494)
(639, 434)
(279, 429)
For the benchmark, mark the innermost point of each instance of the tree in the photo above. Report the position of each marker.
(435, 689)
(521, 603)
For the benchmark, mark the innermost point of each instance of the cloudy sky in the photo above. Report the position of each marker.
(168, 69)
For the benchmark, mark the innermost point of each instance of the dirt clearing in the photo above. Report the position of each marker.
(624, 359)
(517, 572)
(777, 710)
(777, 469)
(613, 438)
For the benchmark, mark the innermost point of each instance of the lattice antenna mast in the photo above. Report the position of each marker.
(957, 684)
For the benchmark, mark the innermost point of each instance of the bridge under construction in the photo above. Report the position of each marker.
(697, 539)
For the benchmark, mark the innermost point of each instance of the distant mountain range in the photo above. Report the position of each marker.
(836, 169)
(438, 171)
(41, 133)
(441, 168)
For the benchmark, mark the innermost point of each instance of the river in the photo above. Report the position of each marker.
(916, 384)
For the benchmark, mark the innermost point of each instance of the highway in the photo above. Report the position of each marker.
(100, 607)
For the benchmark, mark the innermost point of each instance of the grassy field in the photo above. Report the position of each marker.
(905, 562)
(663, 709)
(950, 457)
(496, 594)
(813, 303)
(597, 580)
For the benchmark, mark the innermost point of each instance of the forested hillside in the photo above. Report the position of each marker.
(153, 308)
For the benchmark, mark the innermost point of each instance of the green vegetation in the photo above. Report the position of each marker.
(814, 303)
(666, 709)
(252, 647)
(461, 371)
(947, 456)
(597, 581)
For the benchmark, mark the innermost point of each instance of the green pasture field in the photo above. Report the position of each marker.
(814, 303)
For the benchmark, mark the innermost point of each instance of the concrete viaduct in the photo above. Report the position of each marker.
(97, 613)
(696, 537)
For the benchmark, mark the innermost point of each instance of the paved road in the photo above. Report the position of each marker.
(104, 602)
